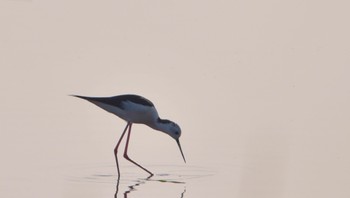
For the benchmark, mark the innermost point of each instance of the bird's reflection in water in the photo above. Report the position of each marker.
(182, 194)
(139, 182)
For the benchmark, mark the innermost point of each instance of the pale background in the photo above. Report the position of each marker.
(260, 89)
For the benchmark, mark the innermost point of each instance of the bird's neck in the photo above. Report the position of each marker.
(159, 124)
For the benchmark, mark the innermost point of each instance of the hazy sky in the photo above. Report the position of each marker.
(258, 84)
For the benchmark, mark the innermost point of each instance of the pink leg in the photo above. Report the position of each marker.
(126, 153)
(116, 147)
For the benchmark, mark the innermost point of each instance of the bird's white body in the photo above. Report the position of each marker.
(132, 112)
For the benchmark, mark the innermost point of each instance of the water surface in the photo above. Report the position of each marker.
(259, 88)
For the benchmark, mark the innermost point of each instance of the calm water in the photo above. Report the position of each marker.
(259, 88)
(172, 183)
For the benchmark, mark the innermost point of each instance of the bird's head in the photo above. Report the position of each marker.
(173, 130)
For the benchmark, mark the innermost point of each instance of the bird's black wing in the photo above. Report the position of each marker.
(118, 100)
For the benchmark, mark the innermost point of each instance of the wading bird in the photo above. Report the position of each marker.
(139, 110)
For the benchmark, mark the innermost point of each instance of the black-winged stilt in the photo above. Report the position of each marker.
(139, 110)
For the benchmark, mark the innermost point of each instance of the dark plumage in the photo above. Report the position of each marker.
(118, 100)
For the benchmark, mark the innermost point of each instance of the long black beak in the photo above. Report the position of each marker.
(178, 143)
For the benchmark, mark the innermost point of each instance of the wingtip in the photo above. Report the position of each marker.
(77, 96)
